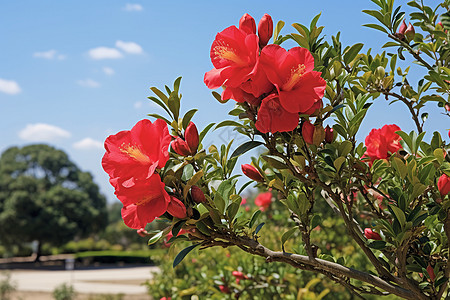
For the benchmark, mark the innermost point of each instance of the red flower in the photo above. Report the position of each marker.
(197, 194)
(410, 32)
(273, 117)
(143, 200)
(247, 24)
(234, 54)
(192, 138)
(402, 28)
(444, 184)
(370, 234)
(265, 30)
(381, 143)
(299, 87)
(136, 153)
(263, 200)
(239, 275)
(251, 172)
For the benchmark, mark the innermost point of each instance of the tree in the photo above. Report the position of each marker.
(391, 192)
(45, 197)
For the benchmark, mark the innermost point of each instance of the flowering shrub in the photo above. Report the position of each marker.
(394, 185)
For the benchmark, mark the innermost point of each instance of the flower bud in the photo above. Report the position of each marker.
(430, 272)
(447, 106)
(251, 172)
(180, 147)
(176, 208)
(265, 30)
(197, 194)
(247, 24)
(410, 32)
(239, 275)
(224, 289)
(402, 28)
(444, 183)
(191, 136)
(370, 234)
(308, 132)
(329, 134)
(142, 232)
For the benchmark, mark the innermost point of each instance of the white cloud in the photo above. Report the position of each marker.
(41, 132)
(129, 47)
(50, 54)
(133, 7)
(108, 71)
(88, 144)
(88, 83)
(9, 87)
(138, 104)
(105, 53)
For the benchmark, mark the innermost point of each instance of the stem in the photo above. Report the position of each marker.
(411, 50)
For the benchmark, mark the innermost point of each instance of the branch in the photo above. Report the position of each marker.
(411, 50)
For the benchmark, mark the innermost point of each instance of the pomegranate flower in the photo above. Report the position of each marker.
(234, 54)
(299, 87)
(381, 143)
(251, 172)
(136, 153)
(143, 200)
(263, 200)
(273, 117)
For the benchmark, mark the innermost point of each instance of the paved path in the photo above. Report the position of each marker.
(99, 281)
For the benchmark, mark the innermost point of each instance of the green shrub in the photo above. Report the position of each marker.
(64, 292)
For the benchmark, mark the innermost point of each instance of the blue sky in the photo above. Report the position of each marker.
(74, 72)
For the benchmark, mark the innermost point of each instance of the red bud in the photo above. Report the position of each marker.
(265, 30)
(251, 172)
(430, 272)
(370, 234)
(329, 134)
(142, 232)
(402, 28)
(176, 208)
(191, 136)
(447, 106)
(197, 194)
(247, 24)
(410, 32)
(308, 132)
(224, 289)
(180, 147)
(444, 183)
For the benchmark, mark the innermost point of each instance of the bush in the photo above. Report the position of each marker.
(6, 286)
(64, 292)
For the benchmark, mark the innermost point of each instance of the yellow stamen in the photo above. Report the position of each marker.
(224, 51)
(135, 152)
(296, 74)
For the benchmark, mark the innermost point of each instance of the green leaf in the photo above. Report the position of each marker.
(400, 166)
(204, 132)
(338, 163)
(254, 218)
(399, 215)
(177, 227)
(352, 52)
(160, 117)
(232, 210)
(155, 238)
(180, 256)
(188, 171)
(228, 123)
(445, 19)
(278, 28)
(187, 117)
(174, 105)
(160, 94)
(160, 103)
(377, 27)
(379, 245)
(286, 236)
(315, 221)
(245, 147)
(258, 228)
(176, 85)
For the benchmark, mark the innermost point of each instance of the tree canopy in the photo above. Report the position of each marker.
(45, 197)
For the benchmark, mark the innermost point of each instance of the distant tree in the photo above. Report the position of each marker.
(45, 197)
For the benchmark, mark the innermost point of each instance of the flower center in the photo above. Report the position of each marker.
(135, 152)
(224, 51)
(296, 73)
